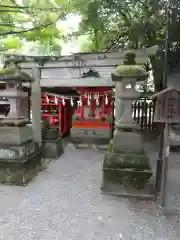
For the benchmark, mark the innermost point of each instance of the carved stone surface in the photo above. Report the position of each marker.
(8, 153)
(90, 136)
(90, 133)
(52, 148)
(127, 174)
(90, 73)
(17, 153)
(122, 160)
(15, 135)
(21, 173)
(19, 163)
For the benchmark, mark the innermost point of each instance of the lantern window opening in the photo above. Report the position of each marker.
(128, 86)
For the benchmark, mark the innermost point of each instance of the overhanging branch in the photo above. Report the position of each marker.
(25, 30)
(14, 7)
(115, 41)
(10, 10)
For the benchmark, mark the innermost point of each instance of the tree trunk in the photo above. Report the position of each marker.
(157, 67)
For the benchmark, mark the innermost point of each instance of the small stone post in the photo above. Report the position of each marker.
(126, 165)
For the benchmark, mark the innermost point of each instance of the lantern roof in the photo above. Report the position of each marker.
(129, 69)
(12, 71)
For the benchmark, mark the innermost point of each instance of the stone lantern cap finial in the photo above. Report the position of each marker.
(129, 58)
(129, 69)
(12, 71)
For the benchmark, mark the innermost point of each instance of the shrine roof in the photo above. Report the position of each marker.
(165, 91)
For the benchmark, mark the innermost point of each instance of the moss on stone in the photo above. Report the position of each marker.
(110, 149)
(125, 168)
(5, 71)
(129, 67)
(14, 74)
(130, 70)
(136, 160)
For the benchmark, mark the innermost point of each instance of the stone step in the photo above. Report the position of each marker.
(88, 146)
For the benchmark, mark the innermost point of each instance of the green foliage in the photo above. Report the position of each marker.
(130, 70)
(93, 24)
(110, 148)
(6, 71)
(112, 25)
(32, 20)
(10, 43)
(125, 24)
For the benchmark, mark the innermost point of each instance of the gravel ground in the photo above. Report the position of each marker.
(64, 203)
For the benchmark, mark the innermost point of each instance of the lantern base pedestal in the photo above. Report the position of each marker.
(19, 163)
(52, 148)
(126, 141)
(15, 134)
(127, 174)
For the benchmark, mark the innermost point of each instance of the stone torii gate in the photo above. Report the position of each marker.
(67, 71)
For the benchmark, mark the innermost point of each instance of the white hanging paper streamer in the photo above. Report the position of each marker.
(80, 100)
(72, 102)
(56, 100)
(78, 103)
(97, 99)
(88, 99)
(47, 99)
(63, 102)
(106, 100)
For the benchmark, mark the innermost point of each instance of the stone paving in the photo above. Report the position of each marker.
(64, 203)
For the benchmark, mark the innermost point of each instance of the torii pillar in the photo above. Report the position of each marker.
(36, 106)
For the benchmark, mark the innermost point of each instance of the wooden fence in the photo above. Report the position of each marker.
(142, 112)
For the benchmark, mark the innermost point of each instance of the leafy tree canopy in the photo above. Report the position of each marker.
(31, 20)
(114, 24)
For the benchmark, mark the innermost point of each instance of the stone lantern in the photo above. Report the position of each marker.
(14, 78)
(126, 164)
(17, 147)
